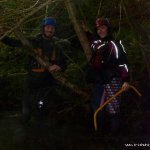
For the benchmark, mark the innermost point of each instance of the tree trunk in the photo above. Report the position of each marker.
(80, 33)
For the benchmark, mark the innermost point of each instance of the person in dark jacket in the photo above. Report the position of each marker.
(109, 72)
(40, 82)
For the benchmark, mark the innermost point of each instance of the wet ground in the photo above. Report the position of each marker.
(66, 133)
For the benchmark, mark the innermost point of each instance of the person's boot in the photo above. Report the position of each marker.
(114, 124)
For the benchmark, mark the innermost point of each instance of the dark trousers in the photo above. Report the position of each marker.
(39, 98)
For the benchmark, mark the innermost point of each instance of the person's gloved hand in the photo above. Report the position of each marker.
(125, 86)
(54, 68)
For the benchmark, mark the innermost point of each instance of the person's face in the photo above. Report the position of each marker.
(102, 31)
(49, 30)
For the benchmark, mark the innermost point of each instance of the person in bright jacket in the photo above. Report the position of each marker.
(109, 69)
(40, 83)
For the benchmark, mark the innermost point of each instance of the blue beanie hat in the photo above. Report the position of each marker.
(49, 21)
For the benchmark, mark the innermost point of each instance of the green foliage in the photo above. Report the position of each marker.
(12, 60)
(11, 88)
(12, 74)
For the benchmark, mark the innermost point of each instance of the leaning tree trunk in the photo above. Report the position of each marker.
(80, 33)
(45, 64)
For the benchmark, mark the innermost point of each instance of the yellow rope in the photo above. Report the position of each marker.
(108, 101)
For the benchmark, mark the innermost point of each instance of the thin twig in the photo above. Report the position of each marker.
(27, 16)
(120, 18)
(30, 8)
(100, 4)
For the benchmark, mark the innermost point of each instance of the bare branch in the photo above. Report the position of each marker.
(27, 16)
(100, 5)
(28, 9)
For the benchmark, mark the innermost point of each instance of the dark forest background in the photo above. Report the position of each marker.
(130, 20)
